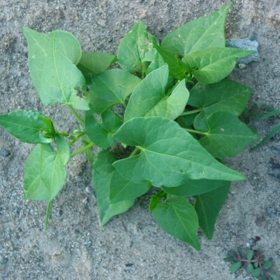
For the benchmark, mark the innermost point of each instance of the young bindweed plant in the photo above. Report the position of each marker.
(180, 119)
(253, 262)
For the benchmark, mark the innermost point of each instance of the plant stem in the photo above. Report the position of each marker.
(82, 149)
(48, 214)
(191, 112)
(63, 133)
(76, 115)
(134, 152)
(195, 131)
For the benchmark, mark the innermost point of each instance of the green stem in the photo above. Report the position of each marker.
(62, 133)
(191, 112)
(75, 140)
(76, 115)
(195, 131)
(82, 149)
(48, 214)
(134, 152)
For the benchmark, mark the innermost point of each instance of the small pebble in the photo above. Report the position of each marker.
(5, 153)
(4, 260)
(271, 211)
(275, 150)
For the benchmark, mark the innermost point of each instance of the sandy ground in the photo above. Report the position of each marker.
(131, 246)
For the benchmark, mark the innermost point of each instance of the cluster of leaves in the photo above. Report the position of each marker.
(253, 262)
(181, 117)
(258, 113)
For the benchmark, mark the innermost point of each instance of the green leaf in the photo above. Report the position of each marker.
(151, 94)
(110, 88)
(52, 60)
(250, 268)
(155, 199)
(227, 135)
(177, 68)
(205, 32)
(264, 278)
(122, 189)
(270, 134)
(94, 63)
(28, 126)
(267, 265)
(229, 259)
(234, 267)
(195, 187)
(133, 47)
(45, 170)
(208, 207)
(101, 133)
(256, 272)
(273, 276)
(250, 254)
(178, 218)
(156, 62)
(213, 64)
(102, 173)
(168, 154)
(226, 95)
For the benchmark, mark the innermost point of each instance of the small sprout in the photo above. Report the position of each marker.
(254, 262)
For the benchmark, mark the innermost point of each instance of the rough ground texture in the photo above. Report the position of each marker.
(131, 246)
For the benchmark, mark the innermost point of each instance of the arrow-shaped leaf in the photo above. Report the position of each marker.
(52, 60)
(227, 135)
(168, 154)
(177, 217)
(151, 94)
(28, 126)
(213, 64)
(205, 32)
(45, 170)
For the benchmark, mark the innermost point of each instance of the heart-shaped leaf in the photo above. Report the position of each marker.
(102, 173)
(226, 95)
(52, 60)
(134, 46)
(177, 217)
(151, 94)
(168, 154)
(200, 34)
(213, 64)
(45, 170)
(227, 135)
(110, 88)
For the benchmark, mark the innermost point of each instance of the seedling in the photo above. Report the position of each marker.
(180, 118)
(253, 262)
